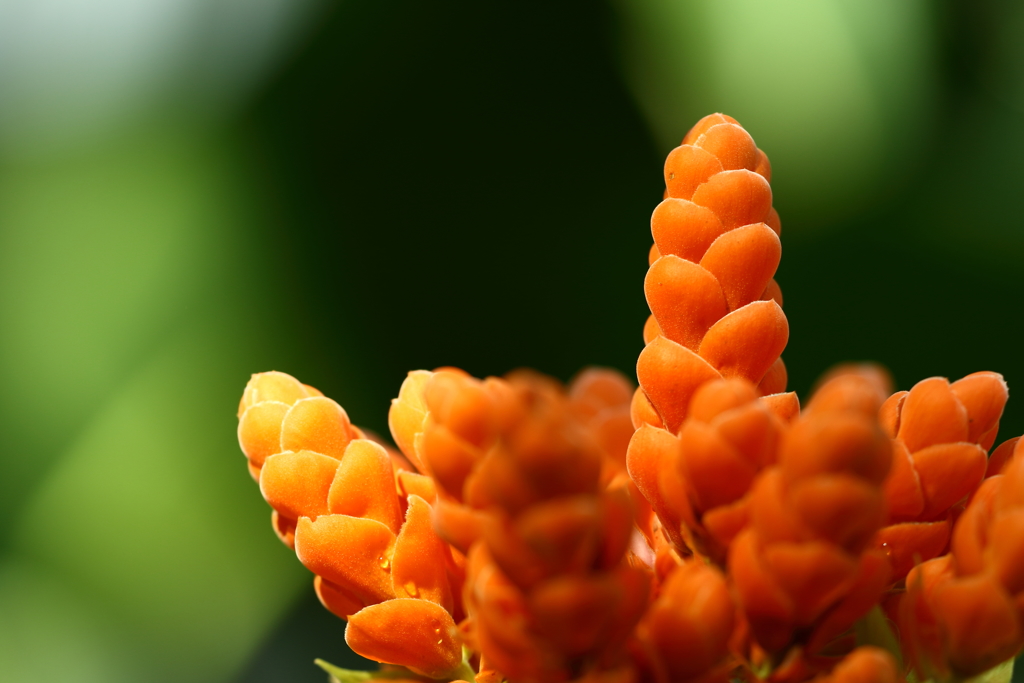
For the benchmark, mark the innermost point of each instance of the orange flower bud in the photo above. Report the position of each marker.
(715, 305)
(801, 566)
(417, 634)
(941, 432)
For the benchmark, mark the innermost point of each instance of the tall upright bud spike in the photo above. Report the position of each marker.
(716, 309)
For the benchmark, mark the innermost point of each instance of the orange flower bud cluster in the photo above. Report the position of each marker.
(698, 482)
(361, 526)
(941, 434)
(964, 612)
(700, 529)
(716, 309)
(519, 462)
(803, 564)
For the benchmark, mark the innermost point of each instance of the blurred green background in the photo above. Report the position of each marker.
(195, 190)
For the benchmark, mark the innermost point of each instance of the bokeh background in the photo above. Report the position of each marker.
(195, 190)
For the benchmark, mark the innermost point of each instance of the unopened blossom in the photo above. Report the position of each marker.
(701, 528)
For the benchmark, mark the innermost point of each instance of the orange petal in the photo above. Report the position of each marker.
(785, 406)
(718, 396)
(416, 634)
(815, 575)
(743, 261)
(724, 523)
(903, 487)
(716, 473)
(653, 254)
(641, 410)
(768, 608)
(773, 517)
(669, 374)
(296, 484)
(419, 560)
(835, 443)
(335, 598)
(652, 453)
(737, 197)
(874, 577)
(865, 665)
(458, 525)
(775, 380)
(587, 614)
(352, 552)
(684, 229)
(772, 291)
(949, 473)
(912, 543)
(316, 424)
(272, 386)
(731, 144)
(595, 389)
(462, 404)
(981, 623)
(849, 389)
(284, 527)
(685, 299)
(841, 508)
(259, 430)
(410, 484)
(932, 414)
(1011, 494)
(773, 221)
(764, 167)
(1001, 456)
(1007, 550)
(407, 413)
(364, 485)
(746, 342)
(970, 537)
(563, 534)
(448, 458)
(704, 124)
(752, 430)
(686, 167)
(690, 623)
(889, 413)
(615, 513)
(983, 395)
(651, 329)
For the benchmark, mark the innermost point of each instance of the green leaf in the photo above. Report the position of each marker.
(339, 675)
(874, 629)
(1001, 674)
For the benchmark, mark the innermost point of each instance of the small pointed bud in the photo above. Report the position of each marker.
(417, 634)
